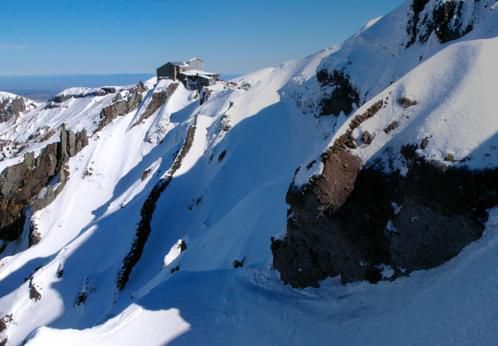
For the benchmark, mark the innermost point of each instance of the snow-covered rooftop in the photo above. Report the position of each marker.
(199, 73)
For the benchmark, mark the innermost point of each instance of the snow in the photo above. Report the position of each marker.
(450, 305)
(227, 200)
(198, 72)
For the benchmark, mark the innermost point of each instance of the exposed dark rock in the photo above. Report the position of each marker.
(391, 127)
(343, 96)
(146, 174)
(347, 140)
(424, 143)
(225, 122)
(80, 298)
(121, 106)
(60, 271)
(34, 236)
(221, 157)
(238, 263)
(405, 102)
(34, 293)
(83, 294)
(445, 20)
(147, 211)
(4, 321)
(195, 202)
(29, 183)
(157, 101)
(12, 108)
(367, 137)
(417, 8)
(175, 269)
(448, 24)
(344, 232)
(182, 245)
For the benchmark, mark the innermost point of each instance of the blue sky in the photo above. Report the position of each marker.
(44, 37)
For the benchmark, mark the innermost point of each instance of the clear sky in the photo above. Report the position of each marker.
(44, 37)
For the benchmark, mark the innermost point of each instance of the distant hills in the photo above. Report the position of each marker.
(40, 88)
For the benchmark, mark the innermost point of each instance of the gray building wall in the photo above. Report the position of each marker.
(196, 64)
(167, 71)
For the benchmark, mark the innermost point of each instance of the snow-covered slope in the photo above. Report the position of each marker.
(163, 231)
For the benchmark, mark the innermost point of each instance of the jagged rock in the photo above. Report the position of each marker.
(34, 293)
(121, 105)
(367, 137)
(391, 127)
(417, 7)
(342, 97)
(11, 108)
(340, 227)
(446, 20)
(28, 183)
(405, 102)
(157, 101)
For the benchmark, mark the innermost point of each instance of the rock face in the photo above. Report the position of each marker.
(157, 101)
(355, 220)
(11, 108)
(340, 95)
(448, 20)
(122, 105)
(35, 182)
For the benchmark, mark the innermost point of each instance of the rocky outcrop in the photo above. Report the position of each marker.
(35, 182)
(448, 20)
(412, 28)
(339, 93)
(123, 103)
(354, 221)
(158, 100)
(11, 108)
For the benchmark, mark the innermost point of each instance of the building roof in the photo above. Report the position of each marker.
(183, 63)
(176, 63)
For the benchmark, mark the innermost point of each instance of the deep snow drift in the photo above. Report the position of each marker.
(185, 198)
